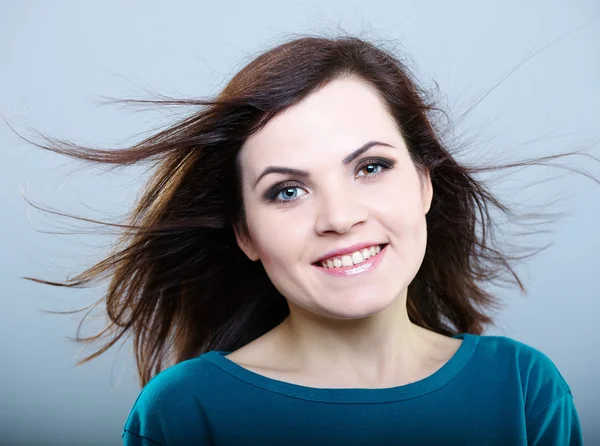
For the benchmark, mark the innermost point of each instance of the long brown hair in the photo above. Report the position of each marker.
(178, 281)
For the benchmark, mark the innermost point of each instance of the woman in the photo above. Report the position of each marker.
(307, 266)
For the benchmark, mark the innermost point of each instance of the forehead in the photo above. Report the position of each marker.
(331, 121)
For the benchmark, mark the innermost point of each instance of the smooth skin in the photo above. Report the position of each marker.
(342, 332)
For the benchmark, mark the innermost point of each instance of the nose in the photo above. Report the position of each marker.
(339, 210)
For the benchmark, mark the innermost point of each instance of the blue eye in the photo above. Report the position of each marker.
(288, 193)
(284, 193)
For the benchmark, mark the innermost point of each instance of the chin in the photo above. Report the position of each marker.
(358, 308)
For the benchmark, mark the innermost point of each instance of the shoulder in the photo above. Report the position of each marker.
(540, 379)
(176, 380)
(533, 363)
(548, 406)
(171, 402)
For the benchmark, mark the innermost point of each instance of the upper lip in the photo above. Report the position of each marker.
(340, 252)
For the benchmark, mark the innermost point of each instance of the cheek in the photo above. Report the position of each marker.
(279, 237)
(400, 203)
(402, 214)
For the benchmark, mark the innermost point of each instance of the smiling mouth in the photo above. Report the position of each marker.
(351, 259)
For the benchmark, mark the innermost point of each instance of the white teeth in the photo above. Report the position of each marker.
(351, 259)
(357, 258)
(346, 261)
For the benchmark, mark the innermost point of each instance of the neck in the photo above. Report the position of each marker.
(382, 350)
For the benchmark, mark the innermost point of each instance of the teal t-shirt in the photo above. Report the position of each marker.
(493, 391)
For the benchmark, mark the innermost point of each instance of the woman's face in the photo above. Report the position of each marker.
(308, 193)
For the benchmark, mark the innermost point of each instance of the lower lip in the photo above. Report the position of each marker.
(367, 266)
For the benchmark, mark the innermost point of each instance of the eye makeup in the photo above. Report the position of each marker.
(272, 195)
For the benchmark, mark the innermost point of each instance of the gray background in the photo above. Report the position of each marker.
(58, 58)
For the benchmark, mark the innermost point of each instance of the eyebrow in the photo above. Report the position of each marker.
(303, 173)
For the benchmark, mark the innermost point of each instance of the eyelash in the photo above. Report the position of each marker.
(272, 194)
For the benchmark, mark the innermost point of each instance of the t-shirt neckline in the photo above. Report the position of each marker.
(438, 379)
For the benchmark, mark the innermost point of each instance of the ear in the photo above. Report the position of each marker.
(245, 244)
(427, 190)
